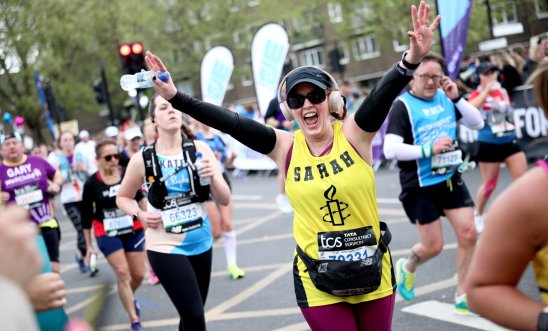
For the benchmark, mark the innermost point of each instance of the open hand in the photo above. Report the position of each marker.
(422, 34)
(166, 89)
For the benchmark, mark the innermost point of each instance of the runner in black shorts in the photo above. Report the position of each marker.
(497, 139)
(421, 135)
(24, 181)
(119, 237)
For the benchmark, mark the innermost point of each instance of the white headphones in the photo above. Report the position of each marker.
(335, 100)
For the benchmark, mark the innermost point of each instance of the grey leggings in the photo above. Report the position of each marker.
(73, 210)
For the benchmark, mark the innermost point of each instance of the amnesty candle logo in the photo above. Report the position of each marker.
(334, 208)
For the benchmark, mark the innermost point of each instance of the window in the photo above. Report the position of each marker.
(400, 40)
(365, 47)
(541, 8)
(334, 9)
(312, 57)
(360, 15)
(503, 12)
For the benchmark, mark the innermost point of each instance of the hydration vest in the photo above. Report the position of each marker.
(155, 181)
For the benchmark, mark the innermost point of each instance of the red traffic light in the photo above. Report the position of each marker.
(137, 48)
(125, 49)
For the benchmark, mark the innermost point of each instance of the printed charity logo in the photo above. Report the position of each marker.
(334, 208)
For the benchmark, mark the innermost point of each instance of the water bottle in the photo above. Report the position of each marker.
(204, 181)
(141, 80)
(93, 264)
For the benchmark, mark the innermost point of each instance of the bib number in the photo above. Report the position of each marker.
(179, 218)
(446, 162)
(351, 245)
(29, 196)
(116, 222)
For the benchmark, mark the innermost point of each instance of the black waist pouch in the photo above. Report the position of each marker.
(348, 278)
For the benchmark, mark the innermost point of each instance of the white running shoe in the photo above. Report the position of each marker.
(478, 220)
(283, 203)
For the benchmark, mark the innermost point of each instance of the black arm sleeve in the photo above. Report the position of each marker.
(374, 109)
(253, 134)
(87, 206)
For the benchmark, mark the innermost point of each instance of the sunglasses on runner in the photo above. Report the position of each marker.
(315, 97)
(109, 158)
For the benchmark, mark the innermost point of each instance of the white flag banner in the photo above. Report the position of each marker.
(268, 51)
(216, 69)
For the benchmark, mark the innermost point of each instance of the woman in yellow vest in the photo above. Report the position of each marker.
(329, 182)
(516, 232)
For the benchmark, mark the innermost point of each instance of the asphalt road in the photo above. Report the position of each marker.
(264, 299)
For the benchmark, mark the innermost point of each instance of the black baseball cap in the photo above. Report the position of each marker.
(10, 135)
(310, 75)
(486, 66)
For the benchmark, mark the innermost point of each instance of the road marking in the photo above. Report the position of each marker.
(255, 288)
(83, 304)
(255, 205)
(444, 312)
(246, 197)
(295, 327)
(253, 268)
(433, 287)
(81, 289)
(388, 200)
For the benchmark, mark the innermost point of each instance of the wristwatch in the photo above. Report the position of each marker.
(410, 66)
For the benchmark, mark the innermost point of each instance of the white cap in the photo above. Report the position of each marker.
(111, 131)
(83, 134)
(132, 133)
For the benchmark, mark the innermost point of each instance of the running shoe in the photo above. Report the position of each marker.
(152, 278)
(283, 203)
(461, 306)
(93, 272)
(235, 272)
(405, 280)
(136, 326)
(478, 220)
(137, 308)
(81, 264)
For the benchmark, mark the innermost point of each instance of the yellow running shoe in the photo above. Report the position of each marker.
(235, 272)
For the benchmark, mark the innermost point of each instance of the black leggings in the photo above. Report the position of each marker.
(74, 212)
(186, 281)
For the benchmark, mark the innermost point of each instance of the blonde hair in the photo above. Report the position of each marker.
(539, 79)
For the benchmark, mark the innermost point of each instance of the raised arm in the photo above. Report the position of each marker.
(247, 131)
(373, 111)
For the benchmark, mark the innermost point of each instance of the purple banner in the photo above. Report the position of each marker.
(455, 16)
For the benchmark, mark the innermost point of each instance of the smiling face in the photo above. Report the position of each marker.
(426, 80)
(313, 119)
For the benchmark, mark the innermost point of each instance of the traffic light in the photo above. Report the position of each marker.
(133, 57)
(100, 91)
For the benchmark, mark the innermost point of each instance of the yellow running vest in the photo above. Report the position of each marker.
(334, 200)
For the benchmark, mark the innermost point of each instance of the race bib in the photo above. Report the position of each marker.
(445, 162)
(351, 245)
(116, 222)
(178, 216)
(29, 196)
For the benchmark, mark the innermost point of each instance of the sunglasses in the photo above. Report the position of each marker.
(315, 97)
(109, 158)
